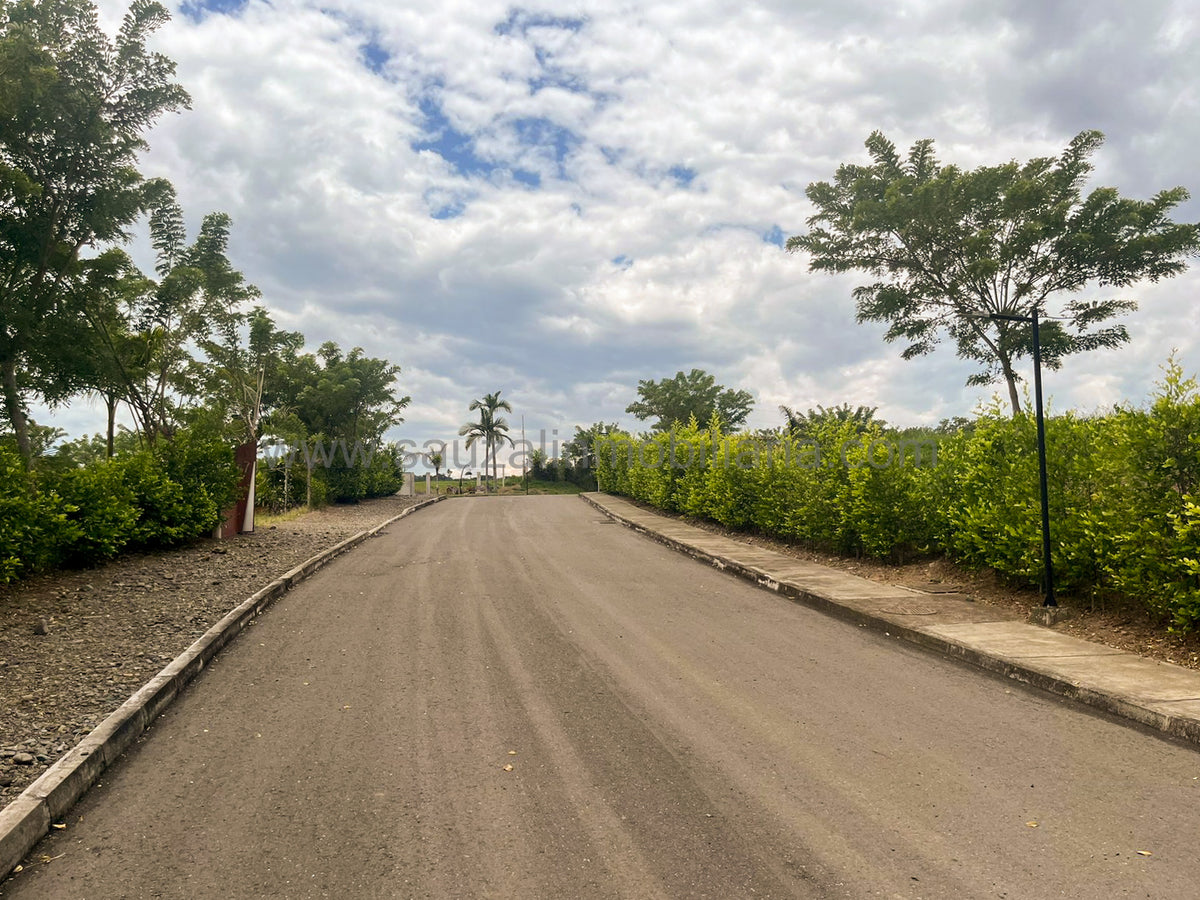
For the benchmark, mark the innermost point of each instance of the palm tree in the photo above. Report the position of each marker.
(492, 429)
(474, 432)
(436, 459)
(499, 436)
(800, 424)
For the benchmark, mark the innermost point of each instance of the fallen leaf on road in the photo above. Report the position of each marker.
(512, 752)
(1144, 853)
(508, 768)
(1032, 824)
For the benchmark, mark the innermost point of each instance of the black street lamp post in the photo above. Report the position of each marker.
(1041, 448)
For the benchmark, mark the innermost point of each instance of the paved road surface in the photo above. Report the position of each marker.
(672, 732)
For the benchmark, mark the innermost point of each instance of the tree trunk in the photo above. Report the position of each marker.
(16, 412)
(1010, 378)
(110, 400)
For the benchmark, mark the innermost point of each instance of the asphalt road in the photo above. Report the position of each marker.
(671, 732)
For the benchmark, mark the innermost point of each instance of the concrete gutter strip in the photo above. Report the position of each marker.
(1159, 695)
(25, 820)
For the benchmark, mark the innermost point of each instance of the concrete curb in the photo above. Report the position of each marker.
(27, 819)
(1182, 721)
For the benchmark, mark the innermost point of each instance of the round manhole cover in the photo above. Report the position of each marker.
(905, 609)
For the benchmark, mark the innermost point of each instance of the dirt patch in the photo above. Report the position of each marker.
(75, 644)
(1123, 626)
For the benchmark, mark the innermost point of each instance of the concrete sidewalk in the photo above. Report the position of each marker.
(1159, 695)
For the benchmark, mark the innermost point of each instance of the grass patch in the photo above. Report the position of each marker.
(514, 485)
(263, 518)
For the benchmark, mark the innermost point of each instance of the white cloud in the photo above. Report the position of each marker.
(671, 140)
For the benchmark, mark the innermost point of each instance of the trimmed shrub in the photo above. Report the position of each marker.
(181, 490)
(1123, 493)
(100, 513)
(88, 514)
(33, 523)
(385, 475)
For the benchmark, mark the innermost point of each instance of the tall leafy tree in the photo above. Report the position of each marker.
(74, 106)
(145, 331)
(949, 248)
(76, 361)
(315, 400)
(579, 453)
(246, 350)
(347, 396)
(673, 401)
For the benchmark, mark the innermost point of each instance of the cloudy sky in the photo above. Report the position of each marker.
(557, 200)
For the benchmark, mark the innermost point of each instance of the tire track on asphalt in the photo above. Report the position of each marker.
(677, 732)
(693, 824)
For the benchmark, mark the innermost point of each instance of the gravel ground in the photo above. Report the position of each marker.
(75, 644)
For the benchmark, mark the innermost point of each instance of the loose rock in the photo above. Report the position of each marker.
(127, 611)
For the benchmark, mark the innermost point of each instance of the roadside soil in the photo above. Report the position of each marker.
(75, 644)
(1118, 624)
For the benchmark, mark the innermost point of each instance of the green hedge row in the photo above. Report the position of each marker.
(342, 477)
(1124, 493)
(82, 516)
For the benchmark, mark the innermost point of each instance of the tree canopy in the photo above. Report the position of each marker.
(802, 424)
(74, 106)
(338, 395)
(949, 248)
(675, 400)
(142, 331)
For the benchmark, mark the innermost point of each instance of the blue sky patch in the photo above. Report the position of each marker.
(533, 179)
(622, 261)
(774, 235)
(374, 56)
(197, 10)
(519, 21)
(683, 175)
(445, 204)
(556, 77)
(457, 148)
(548, 136)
